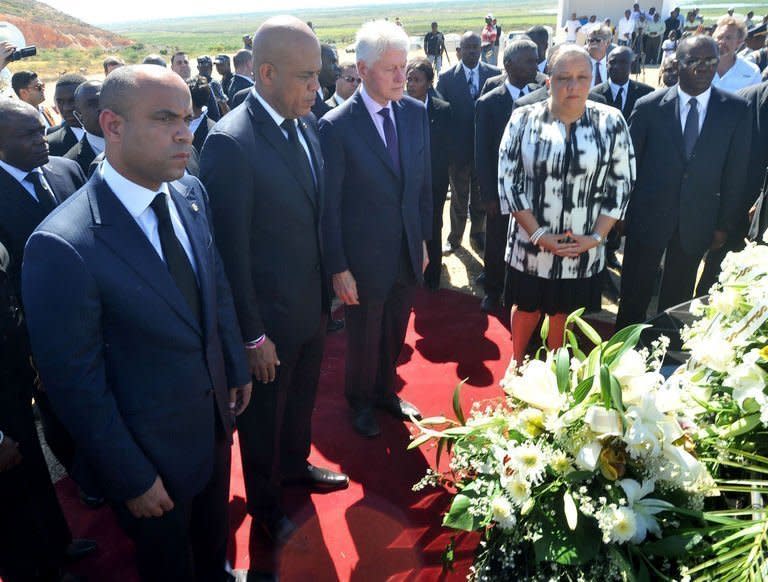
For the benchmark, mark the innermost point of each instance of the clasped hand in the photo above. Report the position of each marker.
(567, 244)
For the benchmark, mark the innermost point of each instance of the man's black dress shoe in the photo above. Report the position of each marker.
(319, 478)
(90, 500)
(79, 549)
(400, 409)
(489, 304)
(365, 423)
(334, 325)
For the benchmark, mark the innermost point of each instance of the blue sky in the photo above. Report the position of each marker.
(107, 11)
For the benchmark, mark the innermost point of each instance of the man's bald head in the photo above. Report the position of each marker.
(22, 141)
(87, 106)
(13, 109)
(277, 37)
(124, 86)
(86, 91)
(469, 49)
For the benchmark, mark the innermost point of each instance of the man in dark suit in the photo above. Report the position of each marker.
(419, 78)
(148, 381)
(378, 215)
(757, 97)
(692, 148)
(87, 112)
(34, 537)
(264, 169)
(619, 90)
(329, 73)
(243, 77)
(63, 137)
(200, 124)
(492, 113)
(346, 84)
(461, 86)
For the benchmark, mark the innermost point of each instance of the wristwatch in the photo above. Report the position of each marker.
(599, 238)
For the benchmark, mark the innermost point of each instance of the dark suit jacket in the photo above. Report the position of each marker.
(757, 98)
(239, 97)
(267, 224)
(696, 196)
(635, 90)
(542, 94)
(492, 113)
(440, 144)
(320, 107)
(82, 153)
(453, 87)
(499, 80)
(238, 84)
(201, 132)
(60, 139)
(136, 379)
(369, 207)
(20, 213)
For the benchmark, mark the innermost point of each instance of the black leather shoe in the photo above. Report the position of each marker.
(79, 549)
(400, 409)
(279, 529)
(489, 304)
(365, 423)
(334, 325)
(319, 478)
(90, 500)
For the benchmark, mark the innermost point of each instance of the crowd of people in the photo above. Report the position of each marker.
(170, 248)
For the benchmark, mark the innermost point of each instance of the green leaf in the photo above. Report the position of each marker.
(439, 452)
(741, 426)
(624, 564)
(458, 516)
(420, 440)
(581, 391)
(457, 402)
(589, 331)
(449, 555)
(624, 340)
(605, 386)
(560, 544)
(578, 476)
(618, 402)
(672, 546)
(544, 332)
(562, 370)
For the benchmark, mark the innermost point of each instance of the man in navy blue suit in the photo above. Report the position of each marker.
(141, 353)
(378, 213)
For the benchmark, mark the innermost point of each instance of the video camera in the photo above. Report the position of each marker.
(23, 53)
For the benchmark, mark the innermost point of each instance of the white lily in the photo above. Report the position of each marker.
(537, 386)
(588, 456)
(603, 421)
(645, 508)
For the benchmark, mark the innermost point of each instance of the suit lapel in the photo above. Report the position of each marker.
(369, 133)
(713, 121)
(317, 161)
(265, 125)
(19, 213)
(670, 108)
(404, 143)
(117, 229)
(55, 181)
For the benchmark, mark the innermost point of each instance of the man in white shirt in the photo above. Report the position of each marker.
(571, 27)
(733, 72)
(625, 28)
(87, 112)
(30, 89)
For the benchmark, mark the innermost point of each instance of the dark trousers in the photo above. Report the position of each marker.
(375, 336)
(435, 246)
(496, 228)
(56, 435)
(189, 542)
(714, 259)
(638, 275)
(276, 429)
(465, 200)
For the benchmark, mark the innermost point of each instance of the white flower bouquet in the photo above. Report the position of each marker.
(585, 470)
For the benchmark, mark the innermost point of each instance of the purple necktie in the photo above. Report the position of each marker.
(391, 137)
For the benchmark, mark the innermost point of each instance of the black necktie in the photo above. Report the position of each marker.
(299, 154)
(691, 131)
(176, 258)
(390, 135)
(44, 196)
(619, 101)
(598, 76)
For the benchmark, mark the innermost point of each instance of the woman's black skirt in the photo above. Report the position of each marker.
(551, 296)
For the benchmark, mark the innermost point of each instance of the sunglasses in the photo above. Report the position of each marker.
(594, 40)
(692, 63)
(350, 79)
(37, 86)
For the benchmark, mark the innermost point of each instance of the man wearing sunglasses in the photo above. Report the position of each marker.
(597, 46)
(346, 84)
(30, 89)
(692, 148)
(87, 113)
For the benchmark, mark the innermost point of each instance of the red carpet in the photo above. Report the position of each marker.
(377, 529)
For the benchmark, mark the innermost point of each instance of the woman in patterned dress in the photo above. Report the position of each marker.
(566, 168)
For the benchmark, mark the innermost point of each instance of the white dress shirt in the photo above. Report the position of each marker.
(685, 106)
(137, 200)
(615, 90)
(474, 75)
(195, 123)
(373, 110)
(603, 70)
(515, 92)
(278, 119)
(20, 176)
(339, 100)
(96, 142)
(625, 29)
(741, 74)
(571, 26)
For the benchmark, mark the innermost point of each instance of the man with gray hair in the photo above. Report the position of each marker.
(243, 77)
(378, 215)
(492, 113)
(598, 42)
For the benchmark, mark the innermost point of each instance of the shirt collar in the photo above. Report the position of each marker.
(78, 131)
(467, 70)
(515, 92)
(195, 123)
(278, 119)
(19, 175)
(339, 100)
(135, 198)
(372, 106)
(702, 98)
(615, 86)
(96, 142)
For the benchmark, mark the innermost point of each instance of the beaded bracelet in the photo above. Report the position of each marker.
(537, 234)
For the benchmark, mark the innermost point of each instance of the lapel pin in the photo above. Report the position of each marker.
(194, 207)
